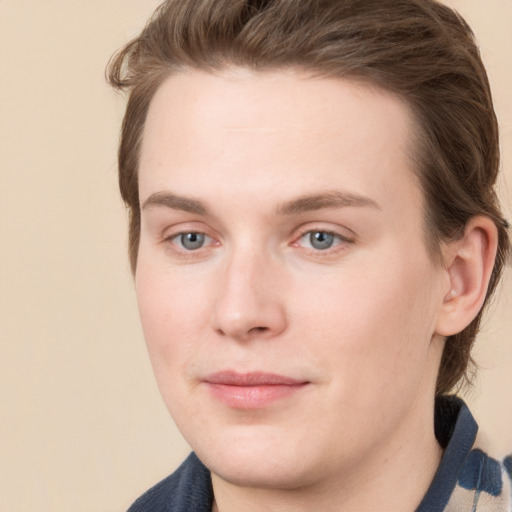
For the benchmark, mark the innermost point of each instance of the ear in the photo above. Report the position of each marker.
(469, 262)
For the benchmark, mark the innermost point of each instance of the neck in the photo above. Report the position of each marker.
(370, 484)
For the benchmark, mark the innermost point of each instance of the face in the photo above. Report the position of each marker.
(286, 294)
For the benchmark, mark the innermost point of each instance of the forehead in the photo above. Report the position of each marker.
(237, 127)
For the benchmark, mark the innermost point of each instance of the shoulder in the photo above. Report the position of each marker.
(188, 488)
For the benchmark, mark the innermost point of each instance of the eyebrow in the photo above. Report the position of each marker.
(174, 202)
(330, 199)
(311, 202)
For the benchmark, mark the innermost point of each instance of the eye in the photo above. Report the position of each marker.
(191, 241)
(321, 240)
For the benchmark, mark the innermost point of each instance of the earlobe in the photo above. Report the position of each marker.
(469, 262)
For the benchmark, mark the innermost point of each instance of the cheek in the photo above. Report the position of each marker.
(371, 324)
(172, 312)
(172, 318)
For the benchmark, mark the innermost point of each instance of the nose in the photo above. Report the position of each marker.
(250, 302)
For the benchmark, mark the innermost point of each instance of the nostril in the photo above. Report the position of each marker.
(259, 329)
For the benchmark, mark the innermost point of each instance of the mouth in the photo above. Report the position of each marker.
(253, 390)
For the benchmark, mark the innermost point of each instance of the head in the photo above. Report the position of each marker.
(420, 51)
(313, 226)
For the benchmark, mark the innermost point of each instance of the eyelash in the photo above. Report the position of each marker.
(340, 242)
(173, 240)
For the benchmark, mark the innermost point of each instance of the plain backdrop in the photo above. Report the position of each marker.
(82, 426)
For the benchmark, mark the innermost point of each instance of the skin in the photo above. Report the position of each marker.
(230, 155)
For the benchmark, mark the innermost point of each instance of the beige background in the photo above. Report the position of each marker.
(82, 427)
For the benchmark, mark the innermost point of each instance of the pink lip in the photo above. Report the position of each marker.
(253, 390)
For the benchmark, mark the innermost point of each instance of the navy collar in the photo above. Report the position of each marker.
(456, 431)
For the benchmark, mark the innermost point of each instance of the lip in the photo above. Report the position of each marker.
(253, 390)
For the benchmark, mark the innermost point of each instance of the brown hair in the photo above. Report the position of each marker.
(418, 49)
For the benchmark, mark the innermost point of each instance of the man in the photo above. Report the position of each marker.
(314, 233)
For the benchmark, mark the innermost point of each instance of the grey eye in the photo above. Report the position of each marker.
(192, 241)
(321, 240)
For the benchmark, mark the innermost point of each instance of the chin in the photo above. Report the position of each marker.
(257, 473)
(256, 461)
